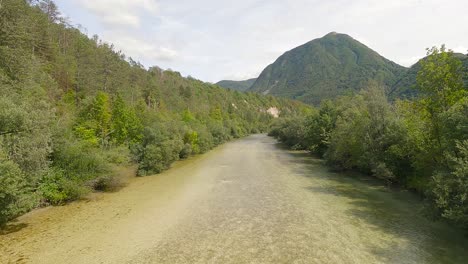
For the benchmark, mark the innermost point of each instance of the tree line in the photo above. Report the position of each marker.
(73, 109)
(421, 143)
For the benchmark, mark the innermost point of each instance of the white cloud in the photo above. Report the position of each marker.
(460, 49)
(408, 62)
(213, 39)
(119, 12)
(139, 48)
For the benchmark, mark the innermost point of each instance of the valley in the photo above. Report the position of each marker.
(248, 201)
(332, 153)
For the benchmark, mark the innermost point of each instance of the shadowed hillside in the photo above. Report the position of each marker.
(237, 85)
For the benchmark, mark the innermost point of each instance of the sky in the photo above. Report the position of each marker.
(213, 40)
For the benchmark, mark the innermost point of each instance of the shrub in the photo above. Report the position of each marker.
(56, 188)
(186, 151)
(159, 156)
(157, 151)
(13, 189)
(107, 183)
(79, 160)
(119, 155)
(450, 188)
(205, 141)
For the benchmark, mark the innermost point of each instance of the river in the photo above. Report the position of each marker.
(248, 201)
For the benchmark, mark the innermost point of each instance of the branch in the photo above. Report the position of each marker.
(2, 133)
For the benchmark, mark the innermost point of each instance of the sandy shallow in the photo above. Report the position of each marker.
(248, 201)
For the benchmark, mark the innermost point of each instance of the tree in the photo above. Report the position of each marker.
(366, 130)
(71, 106)
(320, 126)
(95, 122)
(451, 188)
(50, 9)
(126, 126)
(441, 82)
(12, 190)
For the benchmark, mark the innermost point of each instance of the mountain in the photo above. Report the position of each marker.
(406, 86)
(237, 85)
(325, 68)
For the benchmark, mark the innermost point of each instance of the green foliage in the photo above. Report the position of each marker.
(191, 138)
(451, 187)
(407, 85)
(320, 126)
(187, 116)
(13, 192)
(72, 108)
(365, 133)
(157, 152)
(441, 84)
(291, 132)
(325, 68)
(440, 80)
(79, 160)
(421, 143)
(126, 126)
(57, 188)
(97, 117)
(237, 85)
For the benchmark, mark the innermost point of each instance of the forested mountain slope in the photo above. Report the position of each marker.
(406, 86)
(72, 108)
(325, 68)
(237, 85)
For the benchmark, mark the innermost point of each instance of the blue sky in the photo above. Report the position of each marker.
(216, 39)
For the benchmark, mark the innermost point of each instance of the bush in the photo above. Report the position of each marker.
(79, 160)
(56, 188)
(191, 138)
(107, 183)
(157, 151)
(119, 155)
(186, 151)
(450, 190)
(291, 132)
(366, 130)
(205, 140)
(219, 132)
(13, 191)
(158, 157)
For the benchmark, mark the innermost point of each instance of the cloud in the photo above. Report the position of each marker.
(408, 62)
(213, 39)
(120, 12)
(461, 49)
(139, 48)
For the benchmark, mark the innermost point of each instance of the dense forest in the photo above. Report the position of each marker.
(73, 109)
(421, 144)
(325, 68)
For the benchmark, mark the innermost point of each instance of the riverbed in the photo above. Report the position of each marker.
(247, 201)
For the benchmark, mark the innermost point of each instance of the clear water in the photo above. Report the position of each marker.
(248, 201)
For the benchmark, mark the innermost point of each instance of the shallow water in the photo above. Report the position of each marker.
(248, 201)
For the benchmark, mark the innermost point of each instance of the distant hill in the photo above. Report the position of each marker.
(237, 85)
(325, 68)
(406, 86)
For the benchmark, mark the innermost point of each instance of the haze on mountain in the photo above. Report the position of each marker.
(237, 85)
